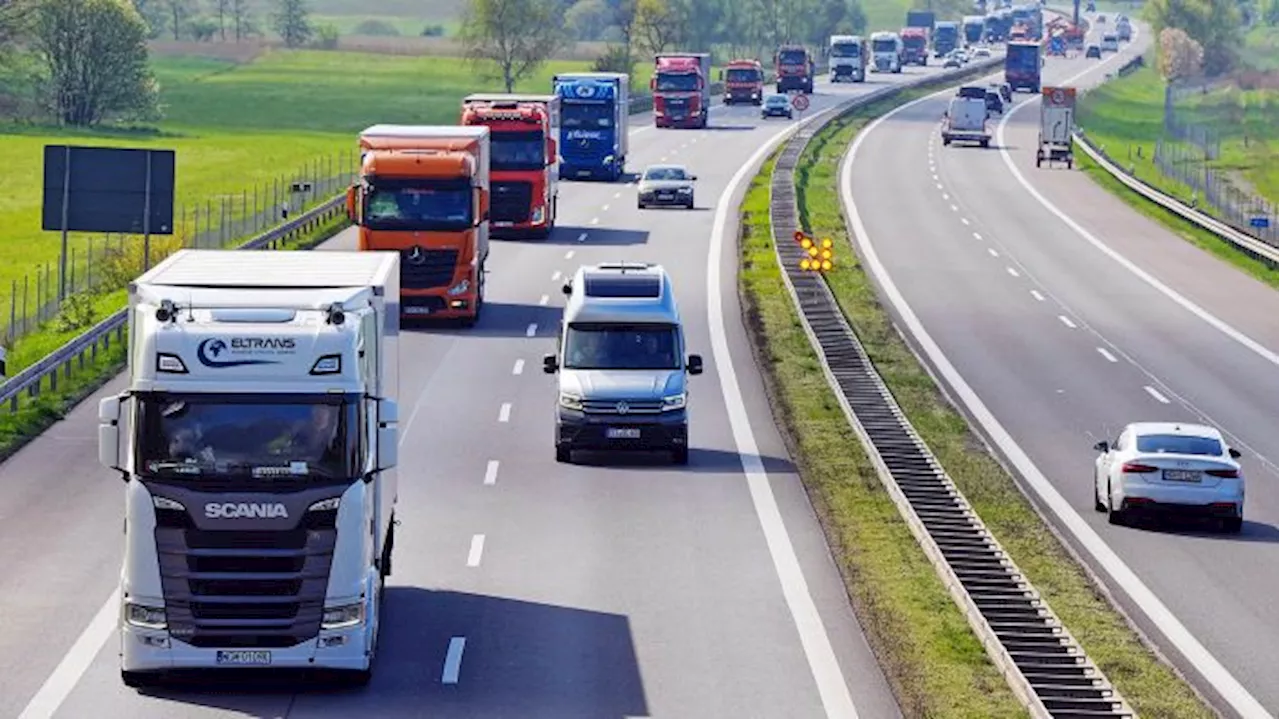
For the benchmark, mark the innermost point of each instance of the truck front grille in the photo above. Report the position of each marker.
(244, 588)
(511, 201)
(425, 269)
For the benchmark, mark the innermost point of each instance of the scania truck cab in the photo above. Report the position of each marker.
(847, 56)
(622, 370)
(257, 441)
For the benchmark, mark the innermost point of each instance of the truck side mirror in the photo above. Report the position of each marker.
(552, 149)
(109, 432)
(1102, 446)
(352, 197)
(567, 288)
(653, 84)
(694, 365)
(480, 204)
(549, 364)
(388, 434)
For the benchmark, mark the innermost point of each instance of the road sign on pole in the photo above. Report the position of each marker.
(800, 102)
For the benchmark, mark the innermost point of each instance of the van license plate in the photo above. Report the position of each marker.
(1181, 475)
(622, 433)
(244, 658)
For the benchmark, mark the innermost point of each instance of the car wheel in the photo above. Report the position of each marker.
(680, 455)
(689, 205)
(136, 680)
(639, 205)
(1114, 516)
(1232, 525)
(564, 455)
(1098, 505)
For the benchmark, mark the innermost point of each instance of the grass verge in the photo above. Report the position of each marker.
(35, 415)
(934, 662)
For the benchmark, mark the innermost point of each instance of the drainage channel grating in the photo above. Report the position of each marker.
(1049, 664)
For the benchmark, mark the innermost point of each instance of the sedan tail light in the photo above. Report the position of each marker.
(1224, 473)
(1137, 468)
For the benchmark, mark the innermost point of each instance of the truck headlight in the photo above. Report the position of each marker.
(347, 615)
(570, 401)
(140, 615)
(673, 402)
(461, 287)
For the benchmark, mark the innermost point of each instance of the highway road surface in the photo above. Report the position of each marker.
(521, 587)
(1057, 314)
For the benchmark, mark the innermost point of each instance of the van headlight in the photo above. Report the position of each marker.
(341, 617)
(570, 401)
(673, 402)
(461, 287)
(684, 190)
(140, 615)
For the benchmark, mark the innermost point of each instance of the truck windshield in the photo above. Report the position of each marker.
(418, 205)
(913, 41)
(256, 437)
(580, 115)
(846, 49)
(619, 346)
(791, 57)
(883, 46)
(687, 82)
(945, 34)
(741, 74)
(517, 151)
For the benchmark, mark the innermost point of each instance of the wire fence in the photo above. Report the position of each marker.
(105, 263)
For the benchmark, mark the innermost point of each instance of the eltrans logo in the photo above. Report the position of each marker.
(218, 353)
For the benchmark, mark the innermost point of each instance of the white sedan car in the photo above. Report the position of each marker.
(1165, 466)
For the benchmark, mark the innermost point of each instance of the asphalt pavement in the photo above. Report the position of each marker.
(1069, 315)
(629, 590)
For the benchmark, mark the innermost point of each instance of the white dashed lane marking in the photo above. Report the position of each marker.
(1109, 357)
(1067, 321)
(1156, 395)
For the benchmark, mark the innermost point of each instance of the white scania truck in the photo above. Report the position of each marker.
(257, 441)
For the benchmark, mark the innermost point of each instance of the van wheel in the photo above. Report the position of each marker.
(136, 680)
(680, 456)
(1232, 525)
(564, 455)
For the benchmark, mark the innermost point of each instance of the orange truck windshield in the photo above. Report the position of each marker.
(415, 205)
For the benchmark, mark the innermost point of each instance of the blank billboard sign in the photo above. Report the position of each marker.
(108, 189)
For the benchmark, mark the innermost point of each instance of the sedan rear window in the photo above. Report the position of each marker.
(1179, 444)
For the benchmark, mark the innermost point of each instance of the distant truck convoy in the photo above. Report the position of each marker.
(257, 440)
(946, 37)
(523, 169)
(681, 85)
(1022, 63)
(743, 82)
(423, 191)
(847, 58)
(921, 18)
(594, 116)
(794, 65)
(886, 52)
(915, 46)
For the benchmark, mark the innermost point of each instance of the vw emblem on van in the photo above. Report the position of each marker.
(416, 255)
(623, 408)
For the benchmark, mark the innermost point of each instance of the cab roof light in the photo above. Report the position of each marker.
(170, 364)
(327, 364)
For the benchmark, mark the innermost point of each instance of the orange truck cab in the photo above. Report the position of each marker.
(524, 169)
(423, 191)
(743, 82)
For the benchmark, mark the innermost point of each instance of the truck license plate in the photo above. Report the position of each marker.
(622, 433)
(244, 658)
(1181, 475)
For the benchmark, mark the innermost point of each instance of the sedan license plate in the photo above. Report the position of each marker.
(244, 658)
(622, 433)
(1181, 475)
(411, 310)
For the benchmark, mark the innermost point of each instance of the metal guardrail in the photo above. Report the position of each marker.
(1043, 664)
(85, 347)
(1249, 245)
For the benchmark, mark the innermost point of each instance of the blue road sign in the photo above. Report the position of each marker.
(1261, 223)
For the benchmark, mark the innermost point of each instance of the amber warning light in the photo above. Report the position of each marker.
(819, 253)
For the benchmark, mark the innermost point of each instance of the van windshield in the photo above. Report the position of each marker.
(614, 346)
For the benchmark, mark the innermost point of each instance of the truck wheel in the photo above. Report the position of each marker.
(564, 455)
(1069, 163)
(1038, 159)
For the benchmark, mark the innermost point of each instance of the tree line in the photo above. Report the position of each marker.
(1203, 37)
(518, 36)
(84, 62)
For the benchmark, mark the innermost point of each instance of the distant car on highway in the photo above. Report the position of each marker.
(1006, 92)
(995, 104)
(776, 106)
(1169, 467)
(1093, 51)
(981, 52)
(665, 185)
(1110, 43)
(952, 61)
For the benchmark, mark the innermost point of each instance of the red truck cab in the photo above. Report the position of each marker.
(523, 165)
(915, 45)
(681, 86)
(795, 68)
(743, 82)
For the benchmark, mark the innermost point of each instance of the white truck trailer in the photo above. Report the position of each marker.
(257, 440)
(1057, 119)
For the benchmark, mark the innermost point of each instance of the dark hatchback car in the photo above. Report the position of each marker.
(776, 106)
(995, 104)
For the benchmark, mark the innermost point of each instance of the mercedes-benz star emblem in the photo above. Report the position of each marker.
(417, 255)
(623, 408)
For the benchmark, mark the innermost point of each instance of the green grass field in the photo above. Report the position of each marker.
(1126, 117)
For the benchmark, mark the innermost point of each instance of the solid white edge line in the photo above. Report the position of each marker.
(832, 688)
(491, 472)
(59, 685)
(453, 660)
(1155, 394)
(476, 551)
(1155, 610)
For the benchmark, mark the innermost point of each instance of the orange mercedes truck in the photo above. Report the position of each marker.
(523, 166)
(423, 191)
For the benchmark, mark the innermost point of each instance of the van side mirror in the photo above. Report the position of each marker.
(693, 178)
(352, 197)
(388, 434)
(109, 433)
(1235, 453)
(694, 365)
(1102, 446)
(549, 364)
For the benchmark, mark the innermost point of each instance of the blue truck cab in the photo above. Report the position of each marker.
(594, 124)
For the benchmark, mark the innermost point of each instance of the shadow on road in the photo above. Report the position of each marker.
(497, 319)
(701, 459)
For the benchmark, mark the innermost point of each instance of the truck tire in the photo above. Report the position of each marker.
(564, 455)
